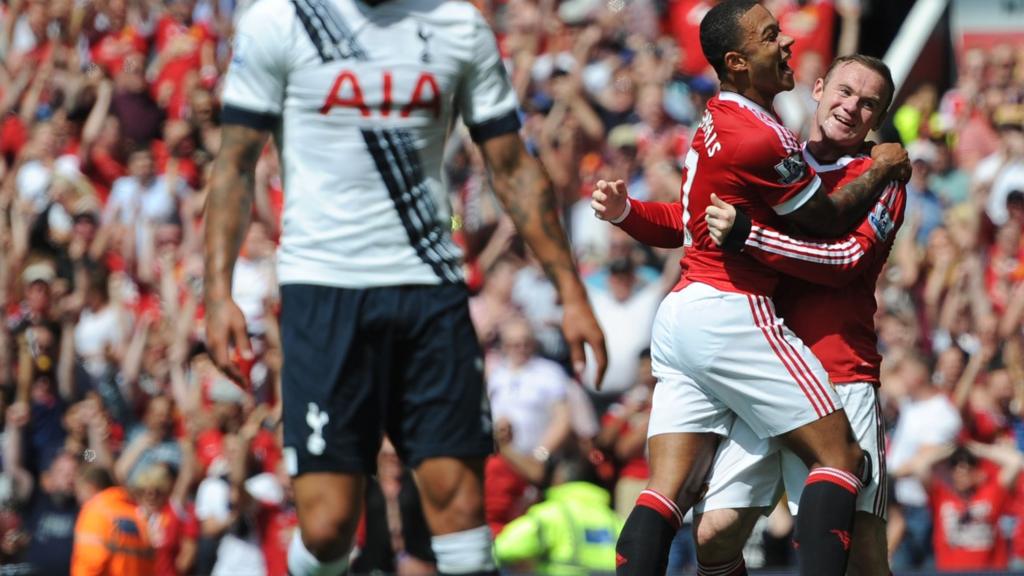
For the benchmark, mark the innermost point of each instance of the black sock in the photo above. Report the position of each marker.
(643, 546)
(825, 523)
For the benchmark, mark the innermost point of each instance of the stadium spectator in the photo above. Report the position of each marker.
(151, 442)
(228, 504)
(49, 508)
(923, 205)
(1002, 172)
(172, 529)
(573, 531)
(969, 497)
(624, 436)
(529, 397)
(626, 310)
(112, 537)
(927, 421)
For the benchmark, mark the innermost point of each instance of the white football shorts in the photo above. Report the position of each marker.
(718, 355)
(752, 472)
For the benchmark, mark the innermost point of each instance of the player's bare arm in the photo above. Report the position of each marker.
(526, 194)
(228, 209)
(832, 215)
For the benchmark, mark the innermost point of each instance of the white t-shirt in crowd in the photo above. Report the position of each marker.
(931, 422)
(136, 202)
(1005, 178)
(627, 331)
(236, 556)
(252, 284)
(95, 332)
(524, 396)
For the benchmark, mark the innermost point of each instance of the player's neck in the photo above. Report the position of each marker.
(750, 93)
(826, 152)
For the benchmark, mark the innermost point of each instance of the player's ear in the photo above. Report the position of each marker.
(735, 61)
(819, 90)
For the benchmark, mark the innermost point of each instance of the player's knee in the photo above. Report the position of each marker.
(326, 533)
(456, 503)
(719, 536)
(849, 458)
(463, 510)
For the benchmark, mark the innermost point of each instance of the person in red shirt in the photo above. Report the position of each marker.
(985, 398)
(185, 57)
(279, 521)
(968, 496)
(110, 46)
(173, 532)
(733, 356)
(624, 433)
(684, 18)
(811, 23)
(837, 323)
(174, 153)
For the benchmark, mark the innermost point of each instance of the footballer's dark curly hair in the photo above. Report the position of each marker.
(720, 31)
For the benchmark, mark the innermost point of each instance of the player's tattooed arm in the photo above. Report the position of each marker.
(229, 203)
(525, 191)
(228, 210)
(832, 215)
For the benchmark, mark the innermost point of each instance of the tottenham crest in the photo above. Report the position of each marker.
(316, 419)
(791, 169)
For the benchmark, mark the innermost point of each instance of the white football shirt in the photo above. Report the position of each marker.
(361, 99)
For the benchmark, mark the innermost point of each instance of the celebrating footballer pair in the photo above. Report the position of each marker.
(765, 352)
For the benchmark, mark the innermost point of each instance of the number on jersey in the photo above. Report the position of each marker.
(690, 165)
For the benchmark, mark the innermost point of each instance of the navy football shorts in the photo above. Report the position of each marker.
(359, 363)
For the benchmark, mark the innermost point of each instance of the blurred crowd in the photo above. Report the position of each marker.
(117, 429)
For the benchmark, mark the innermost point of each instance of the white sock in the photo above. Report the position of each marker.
(301, 562)
(466, 552)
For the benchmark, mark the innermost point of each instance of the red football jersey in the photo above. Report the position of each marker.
(827, 296)
(744, 154)
(839, 323)
(967, 534)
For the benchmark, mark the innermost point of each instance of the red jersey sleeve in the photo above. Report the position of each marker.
(836, 262)
(771, 165)
(658, 224)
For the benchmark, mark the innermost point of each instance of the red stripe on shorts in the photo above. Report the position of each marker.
(815, 383)
(760, 323)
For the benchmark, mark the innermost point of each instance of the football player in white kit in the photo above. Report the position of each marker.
(360, 98)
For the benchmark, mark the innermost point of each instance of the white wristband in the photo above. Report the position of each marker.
(623, 215)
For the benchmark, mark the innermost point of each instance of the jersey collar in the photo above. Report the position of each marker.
(842, 162)
(743, 101)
